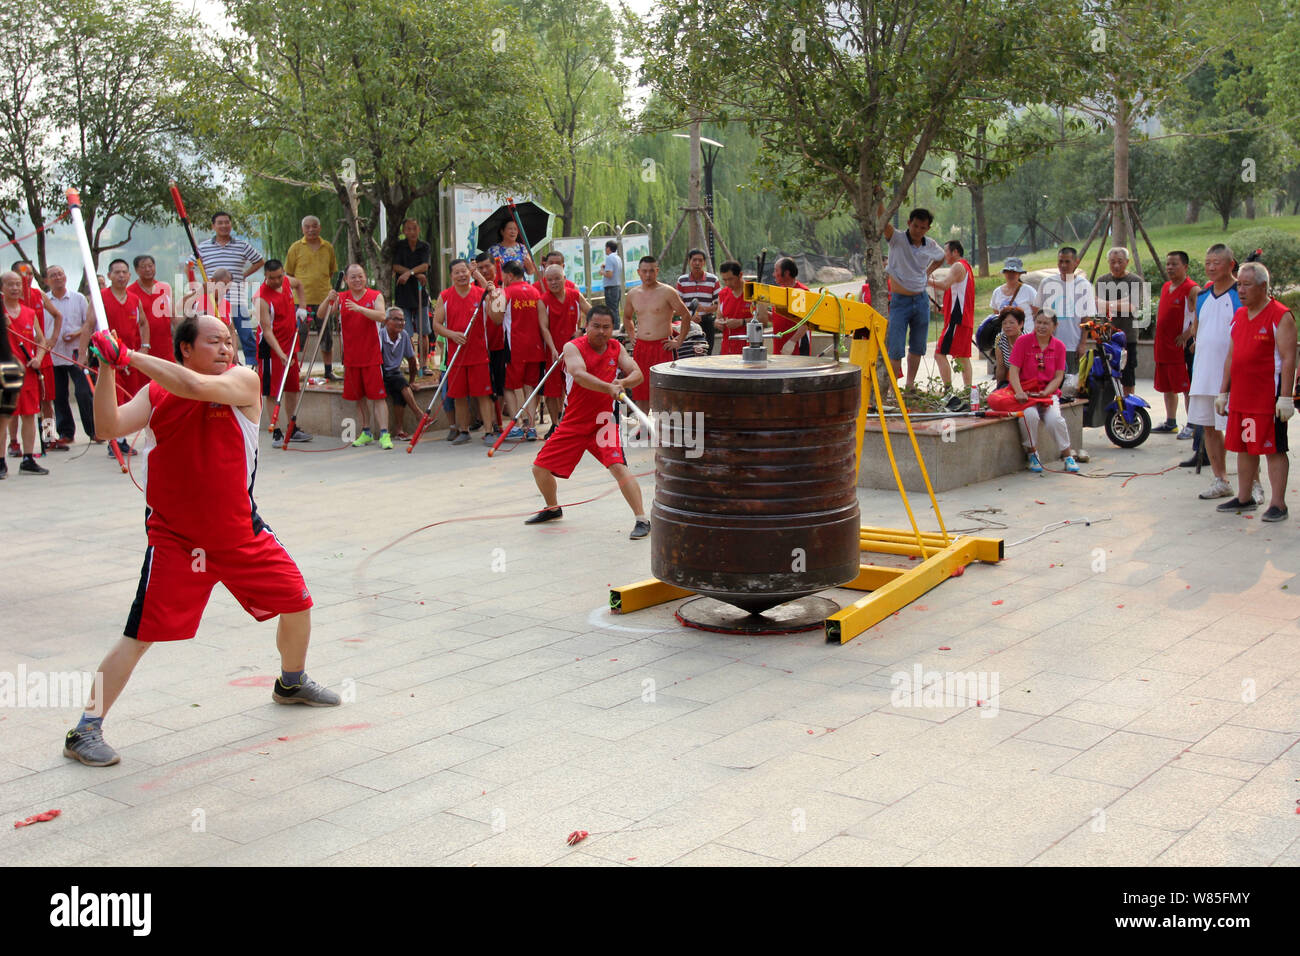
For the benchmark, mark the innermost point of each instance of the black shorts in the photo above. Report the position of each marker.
(314, 325)
(394, 383)
(498, 359)
(1128, 377)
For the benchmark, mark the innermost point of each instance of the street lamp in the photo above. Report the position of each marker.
(709, 153)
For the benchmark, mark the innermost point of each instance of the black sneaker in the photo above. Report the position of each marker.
(4, 469)
(29, 467)
(1167, 426)
(1274, 513)
(640, 530)
(1233, 506)
(88, 746)
(546, 514)
(954, 403)
(308, 692)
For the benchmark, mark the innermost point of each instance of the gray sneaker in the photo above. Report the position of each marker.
(1186, 433)
(461, 439)
(88, 746)
(640, 530)
(300, 435)
(308, 692)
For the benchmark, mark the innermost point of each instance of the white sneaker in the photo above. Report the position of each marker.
(1257, 492)
(1218, 489)
(1186, 433)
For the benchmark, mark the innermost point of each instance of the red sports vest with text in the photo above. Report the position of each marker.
(460, 312)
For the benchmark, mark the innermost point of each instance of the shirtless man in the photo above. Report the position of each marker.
(651, 308)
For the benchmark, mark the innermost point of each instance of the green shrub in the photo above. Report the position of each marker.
(1281, 253)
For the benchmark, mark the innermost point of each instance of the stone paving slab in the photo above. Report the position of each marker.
(1146, 708)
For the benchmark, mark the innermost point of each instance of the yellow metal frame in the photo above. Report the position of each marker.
(941, 555)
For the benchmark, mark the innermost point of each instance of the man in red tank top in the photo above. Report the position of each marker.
(457, 317)
(525, 319)
(50, 320)
(1261, 360)
(126, 317)
(733, 311)
(278, 319)
(596, 370)
(26, 342)
(361, 313)
(199, 460)
(565, 305)
(1174, 317)
(156, 299)
(786, 274)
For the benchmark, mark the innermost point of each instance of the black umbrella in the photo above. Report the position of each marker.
(533, 220)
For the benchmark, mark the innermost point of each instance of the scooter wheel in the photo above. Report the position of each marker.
(1128, 434)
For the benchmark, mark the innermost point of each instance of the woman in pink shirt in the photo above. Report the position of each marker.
(1037, 368)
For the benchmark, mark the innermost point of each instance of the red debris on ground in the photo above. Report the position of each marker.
(958, 572)
(37, 818)
(997, 602)
(576, 837)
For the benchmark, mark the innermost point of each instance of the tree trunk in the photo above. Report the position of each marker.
(981, 229)
(1123, 122)
(694, 197)
(1250, 207)
(1193, 212)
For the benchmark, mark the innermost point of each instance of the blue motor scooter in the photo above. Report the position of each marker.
(1124, 417)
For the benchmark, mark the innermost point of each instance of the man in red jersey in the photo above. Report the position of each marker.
(200, 457)
(1261, 357)
(1174, 317)
(786, 274)
(596, 370)
(125, 317)
(525, 320)
(469, 380)
(27, 346)
(156, 298)
(565, 305)
(278, 320)
(734, 312)
(50, 319)
(958, 288)
(361, 313)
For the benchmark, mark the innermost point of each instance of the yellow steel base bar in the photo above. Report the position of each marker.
(892, 589)
(643, 594)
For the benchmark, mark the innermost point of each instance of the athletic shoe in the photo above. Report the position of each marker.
(57, 445)
(88, 746)
(277, 439)
(386, 441)
(462, 438)
(300, 435)
(308, 692)
(1167, 426)
(1082, 455)
(335, 375)
(365, 438)
(550, 431)
(546, 514)
(1218, 489)
(530, 434)
(640, 530)
(516, 432)
(1034, 464)
(402, 436)
(4, 469)
(476, 426)
(1071, 465)
(1274, 513)
(491, 438)
(452, 433)
(1186, 433)
(1257, 493)
(1202, 458)
(29, 467)
(14, 450)
(1235, 506)
(126, 450)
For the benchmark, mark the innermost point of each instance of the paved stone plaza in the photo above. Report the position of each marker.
(1146, 672)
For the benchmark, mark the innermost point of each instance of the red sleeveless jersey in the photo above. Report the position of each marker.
(459, 313)
(199, 460)
(24, 326)
(284, 320)
(1255, 362)
(1170, 315)
(561, 317)
(522, 326)
(959, 300)
(123, 317)
(781, 324)
(733, 306)
(360, 335)
(582, 404)
(158, 313)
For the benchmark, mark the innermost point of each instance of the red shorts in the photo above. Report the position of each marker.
(1255, 433)
(1172, 377)
(469, 381)
(554, 387)
(29, 399)
(363, 381)
(128, 383)
(177, 579)
(47, 381)
(955, 341)
(563, 450)
(271, 382)
(524, 375)
(646, 355)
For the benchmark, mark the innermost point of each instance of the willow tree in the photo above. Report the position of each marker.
(849, 99)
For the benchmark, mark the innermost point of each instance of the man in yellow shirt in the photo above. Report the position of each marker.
(312, 262)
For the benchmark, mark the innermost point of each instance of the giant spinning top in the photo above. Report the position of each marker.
(759, 511)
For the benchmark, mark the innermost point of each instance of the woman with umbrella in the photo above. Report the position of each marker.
(510, 249)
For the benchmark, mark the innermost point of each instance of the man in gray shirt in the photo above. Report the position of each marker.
(613, 285)
(912, 257)
(224, 251)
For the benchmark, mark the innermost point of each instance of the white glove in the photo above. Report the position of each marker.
(1221, 404)
(1285, 407)
(302, 314)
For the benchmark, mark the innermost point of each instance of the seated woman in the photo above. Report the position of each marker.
(1037, 368)
(1012, 320)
